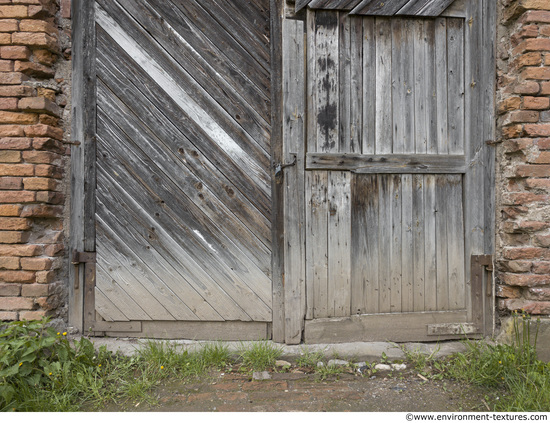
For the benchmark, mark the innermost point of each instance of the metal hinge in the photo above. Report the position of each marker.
(79, 257)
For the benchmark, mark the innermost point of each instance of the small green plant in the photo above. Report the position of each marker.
(309, 358)
(259, 356)
(333, 370)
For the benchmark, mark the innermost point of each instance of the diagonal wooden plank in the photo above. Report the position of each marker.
(205, 206)
(379, 7)
(107, 310)
(300, 4)
(153, 115)
(168, 77)
(426, 8)
(333, 4)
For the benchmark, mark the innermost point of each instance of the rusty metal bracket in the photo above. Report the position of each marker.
(79, 257)
(281, 166)
(481, 303)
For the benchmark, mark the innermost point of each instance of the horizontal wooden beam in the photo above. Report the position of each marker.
(399, 327)
(387, 163)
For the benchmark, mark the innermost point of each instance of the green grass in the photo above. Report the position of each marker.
(309, 358)
(259, 356)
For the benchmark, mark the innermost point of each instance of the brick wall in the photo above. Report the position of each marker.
(32, 159)
(523, 187)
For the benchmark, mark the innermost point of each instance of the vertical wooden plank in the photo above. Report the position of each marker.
(396, 244)
(311, 82)
(369, 86)
(339, 244)
(356, 75)
(326, 77)
(277, 210)
(455, 237)
(418, 206)
(403, 86)
(442, 241)
(429, 73)
(293, 150)
(407, 247)
(364, 249)
(344, 83)
(317, 243)
(383, 123)
(430, 246)
(384, 242)
(83, 156)
(455, 60)
(420, 88)
(441, 84)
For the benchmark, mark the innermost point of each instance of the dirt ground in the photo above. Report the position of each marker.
(291, 392)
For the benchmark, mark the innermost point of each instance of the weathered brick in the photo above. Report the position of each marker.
(48, 144)
(533, 170)
(537, 130)
(14, 224)
(39, 104)
(66, 9)
(536, 72)
(509, 103)
(10, 210)
(14, 237)
(9, 25)
(28, 250)
(18, 276)
(527, 88)
(544, 88)
(46, 57)
(41, 210)
(49, 197)
(36, 263)
(539, 294)
(18, 118)
(528, 306)
(536, 103)
(15, 143)
(518, 116)
(514, 131)
(524, 253)
(528, 59)
(36, 70)
(10, 156)
(541, 267)
(532, 44)
(42, 131)
(15, 52)
(44, 10)
(535, 16)
(40, 184)
(12, 78)
(8, 315)
(15, 91)
(13, 12)
(34, 39)
(523, 279)
(9, 103)
(33, 315)
(17, 197)
(10, 290)
(541, 241)
(44, 157)
(16, 303)
(34, 25)
(45, 276)
(9, 263)
(48, 171)
(6, 66)
(54, 250)
(522, 198)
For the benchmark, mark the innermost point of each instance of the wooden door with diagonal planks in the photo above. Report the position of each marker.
(183, 194)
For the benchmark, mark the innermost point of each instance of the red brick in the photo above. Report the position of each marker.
(536, 103)
(45, 276)
(50, 197)
(528, 306)
(13, 12)
(512, 131)
(48, 144)
(44, 10)
(542, 241)
(516, 145)
(20, 276)
(519, 116)
(15, 143)
(522, 198)
(32, 315)
(545, 30)
(48, 171)
(11, 131)
(15, 52)
(45, 57)
(39, 104)
(534, 72)
(40, 210)
(36, 70)
(539, 294)
(34, 25)
(10, 290)
(34, 39)
(541, 267)
(8, 315)
(6, 66)
(17, 196)
(528, 59)
(42, 131)
(9, 103)
(534, 170)
(536, 16)
(40, 184)
(10, 210)
(514, 212)
(510, 103)
(18, 118)
(36, 263)
(16, 91)
(9, 263)
(12, 78)
(544, 88)
(9, 25)
(54, 250)
(13, 237)
(527, 88)
(524, 279)
(10, 156)
(20, 250)
(44, 157)
(14, 224)
(524, 253)
(532, 44)
(66, 9)
(537, 130)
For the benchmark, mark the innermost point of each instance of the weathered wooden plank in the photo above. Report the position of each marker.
(420, 88)
(442, 241)
(456, 85)
(419, 219)
(379, 8)
(154, 112)
(311, 81)
(457, 9)
(316, 243)
(392, 163)
(396, 244)
(356, 86)
(455, 237)
(168, 81)
(221, 79)
(430, 77)
(300, 4)
(403, 327)
(383, 113)
(82, 156)
(369, 86)
(326, 81)
(407, 247)
(403, 93)
(137, 225)
(425, 7)
(333, 4)
(293, 151)
(277, 196)
(231, 272)
(385, 183)
(430, 243)
(107, 309)
(339, 243)
(441, 85)
(208, 331)
(344, 83)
